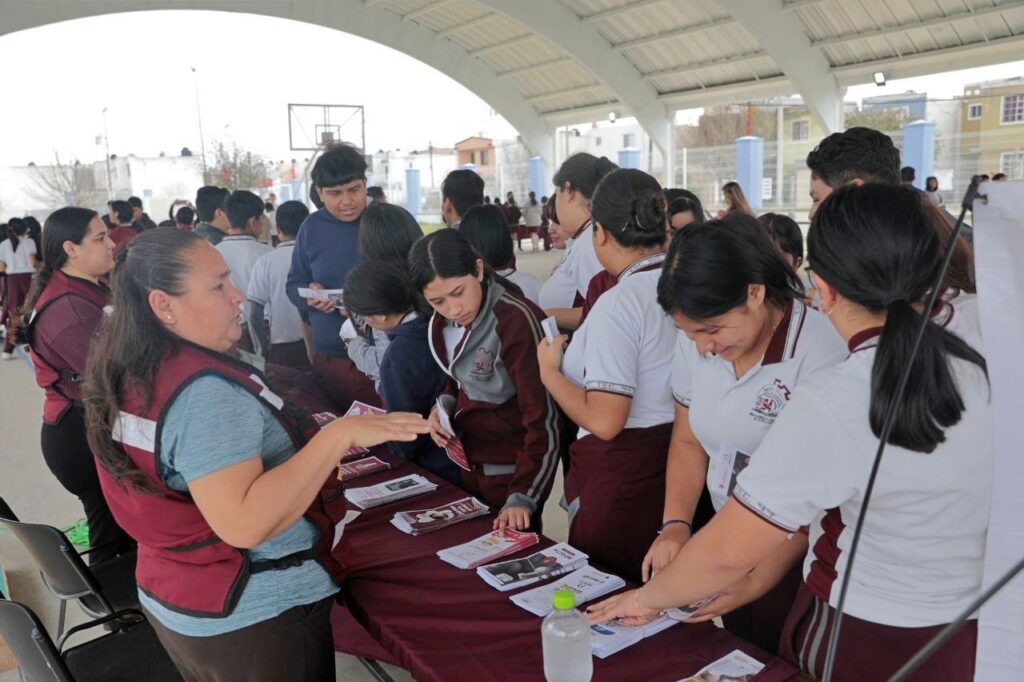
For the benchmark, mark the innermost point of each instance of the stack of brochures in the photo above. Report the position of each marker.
(361, 467)
(487, 548)
(586, 583)
(547, 563)
(420, 521)
(389, 491)
(612, 637)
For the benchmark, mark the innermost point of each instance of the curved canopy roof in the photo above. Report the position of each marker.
(544, 63)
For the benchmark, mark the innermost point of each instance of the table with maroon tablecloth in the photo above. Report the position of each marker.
(443, 623)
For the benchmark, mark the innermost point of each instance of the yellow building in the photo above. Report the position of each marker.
(992, 126)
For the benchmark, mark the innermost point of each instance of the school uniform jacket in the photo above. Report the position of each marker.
(503, 413)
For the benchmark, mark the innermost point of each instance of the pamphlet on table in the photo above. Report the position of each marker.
(614, 636)
(420, 521)
(361, 467)
(735, 667)
(487, 548)
(547, 563)
(586, 583)
(389, 491)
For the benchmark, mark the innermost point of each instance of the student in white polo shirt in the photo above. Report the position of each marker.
(875, 253)
(240, 249)
(614, 382)
(747, 341)
(274, 322)
(575, 182)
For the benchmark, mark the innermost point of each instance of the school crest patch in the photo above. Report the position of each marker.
(483, 365)
(770, 401)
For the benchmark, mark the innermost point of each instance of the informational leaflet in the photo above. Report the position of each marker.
(586, 583)
(420, 521)
(547, 563)
(614, 636)
(735, 667)
(455, 450)
(389, 491)
(487, 548)
(335, 296)
(361, 467)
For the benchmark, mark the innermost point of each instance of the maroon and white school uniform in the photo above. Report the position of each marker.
(731, 416)
(17, 282)
(920, 558)
(616, 489)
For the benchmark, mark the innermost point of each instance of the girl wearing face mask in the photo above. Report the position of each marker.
(746, 342)
(484, 335)
(410, 381)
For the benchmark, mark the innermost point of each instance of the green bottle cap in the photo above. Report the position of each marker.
(564, 600)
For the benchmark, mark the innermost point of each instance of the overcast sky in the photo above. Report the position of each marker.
(59, 78)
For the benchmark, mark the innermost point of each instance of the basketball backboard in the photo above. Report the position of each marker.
(314, 127)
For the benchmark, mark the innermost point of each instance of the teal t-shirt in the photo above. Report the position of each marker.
(211, 425)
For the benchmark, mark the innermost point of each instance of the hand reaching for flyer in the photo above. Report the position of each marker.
(516, 518)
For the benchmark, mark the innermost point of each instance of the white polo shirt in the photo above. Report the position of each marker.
(730, 416)
(625, 347)
(241, 253)
(529, 284)
(17, 261)
(919, 562)
(266, 287)
(559, 290)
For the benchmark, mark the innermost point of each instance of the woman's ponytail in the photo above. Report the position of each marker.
(877, 246)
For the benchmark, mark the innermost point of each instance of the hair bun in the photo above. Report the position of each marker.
(649, 212)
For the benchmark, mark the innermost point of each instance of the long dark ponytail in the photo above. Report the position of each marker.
(710, 267)
(16, 229)
(878, 247)
(132, 342)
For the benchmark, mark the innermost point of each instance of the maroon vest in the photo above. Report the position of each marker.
(181, 562)
(62, 386)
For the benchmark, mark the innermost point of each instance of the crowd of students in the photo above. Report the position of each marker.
(715, 410)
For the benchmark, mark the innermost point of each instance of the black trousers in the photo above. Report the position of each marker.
(68, 456)
(297, 646)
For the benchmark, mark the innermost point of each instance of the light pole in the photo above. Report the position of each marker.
(106, 143)
(199, 115)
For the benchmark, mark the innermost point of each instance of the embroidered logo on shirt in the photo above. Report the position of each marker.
(770, 401)
(483, 365)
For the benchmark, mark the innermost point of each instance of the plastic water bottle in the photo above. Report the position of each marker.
(566, 638)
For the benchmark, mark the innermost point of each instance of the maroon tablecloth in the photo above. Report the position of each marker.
(443, 623)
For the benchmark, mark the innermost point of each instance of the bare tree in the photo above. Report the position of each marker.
(63, 184)
(236, 168)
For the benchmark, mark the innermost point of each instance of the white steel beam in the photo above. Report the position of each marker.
(674, 33)
(467, 25)
(696, 66)
(924, 23)
(621, 9)
(503, 45)
(558, 61)
(560, 26)
(426, 9)
(782, 35)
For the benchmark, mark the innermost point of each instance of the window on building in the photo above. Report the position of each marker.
(472, 157)
(597, 141)
(483, 157)
(629, 140)
(801, 130)
(1013, 108)
(974, 112)
(1012, 163)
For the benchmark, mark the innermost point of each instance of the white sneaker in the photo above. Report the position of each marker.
(6, 356)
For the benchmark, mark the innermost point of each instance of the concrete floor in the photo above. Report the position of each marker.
(35, 495)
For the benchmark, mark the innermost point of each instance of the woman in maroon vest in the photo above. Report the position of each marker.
(230, 492)
(66, 303)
